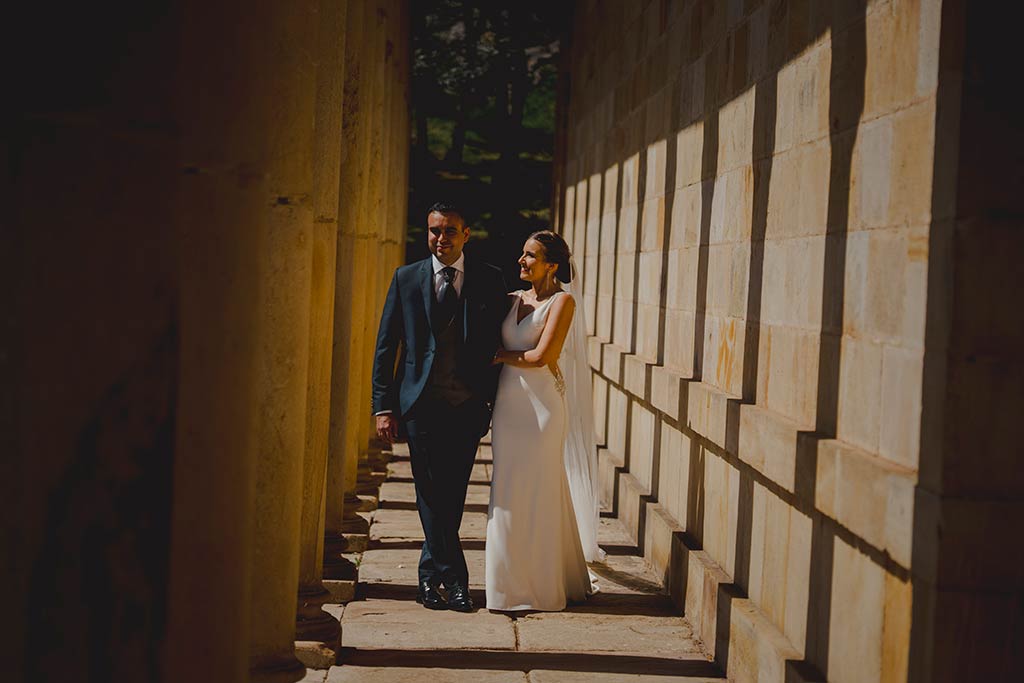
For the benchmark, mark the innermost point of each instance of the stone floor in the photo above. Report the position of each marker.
(627, 632)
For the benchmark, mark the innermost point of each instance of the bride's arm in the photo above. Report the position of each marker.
(556, 328)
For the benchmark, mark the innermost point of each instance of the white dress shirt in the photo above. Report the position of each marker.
(459, 266)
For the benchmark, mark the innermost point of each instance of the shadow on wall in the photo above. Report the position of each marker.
(790, 30)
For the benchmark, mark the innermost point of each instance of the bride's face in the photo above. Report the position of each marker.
(532, 265)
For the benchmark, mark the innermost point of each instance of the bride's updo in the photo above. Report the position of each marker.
(555, 251)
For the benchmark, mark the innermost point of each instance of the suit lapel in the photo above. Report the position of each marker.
(466, 289)
(427, 285)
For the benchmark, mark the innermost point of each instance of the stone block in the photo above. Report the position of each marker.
(727, 279)
(857, 616)
(617, 415)
(595, 633)
(860, 376)
(589, 312)
(735, 126)
(768, 443)
(654, 181)
(609, 224)
(606, 466)
(879, 257)
(356, 542)
(595, 350)
(679, 331)
(684, 230)
(416, 674)
(810, 91)
(342, 590)
(665, 390)
(630, 490)
(757, 650)
(899, 438)
(703, 589)
(641, 446)
(890, 71)
(788, 372)
(671, 460)
(612, 362)
(758, 544)
(868, 495)
(315, 655)
(649, 280)
(774, 573)
(635, 374)
(682, 279)
(604, 317)
(659, 530)
(648, 332)
(689, 154)
(896, 626)
(913, 137)
(871, 175)
(559, 676)
(630, 181)
(798, 577)
(622, 329)
(706, 411)
(600, 397)
(791, 282)
(721, 482)
(723, 354)
(784, 195)
(813, 170)
(369, 623)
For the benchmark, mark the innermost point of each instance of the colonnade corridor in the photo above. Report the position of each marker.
(797, 225)
(629, 631)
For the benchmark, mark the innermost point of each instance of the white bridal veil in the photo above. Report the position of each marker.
(580, 447)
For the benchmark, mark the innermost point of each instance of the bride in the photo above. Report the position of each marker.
(543, 515)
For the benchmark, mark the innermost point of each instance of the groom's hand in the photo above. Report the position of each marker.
(387, 428)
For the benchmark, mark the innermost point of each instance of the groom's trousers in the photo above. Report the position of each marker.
(443, 441)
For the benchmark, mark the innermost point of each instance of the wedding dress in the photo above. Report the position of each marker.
(534, 555)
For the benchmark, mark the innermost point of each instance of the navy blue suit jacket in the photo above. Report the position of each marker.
(405, 333)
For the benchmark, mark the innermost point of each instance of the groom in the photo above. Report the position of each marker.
(442, 319)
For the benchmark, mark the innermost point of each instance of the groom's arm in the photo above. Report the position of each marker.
(385, 391)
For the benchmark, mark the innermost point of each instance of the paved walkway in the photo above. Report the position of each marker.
(627, 632)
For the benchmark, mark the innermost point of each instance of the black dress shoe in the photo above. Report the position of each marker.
(430, 597)
(458, 598)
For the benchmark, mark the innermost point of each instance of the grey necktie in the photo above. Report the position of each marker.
(445, 310)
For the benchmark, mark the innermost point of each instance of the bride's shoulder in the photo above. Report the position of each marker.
(563, 301)
(567, 298)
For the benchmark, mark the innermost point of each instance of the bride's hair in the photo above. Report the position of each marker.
(555, 251)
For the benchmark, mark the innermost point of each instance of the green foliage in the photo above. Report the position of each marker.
(484, 91)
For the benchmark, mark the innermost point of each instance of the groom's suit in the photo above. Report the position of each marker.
(441, 388)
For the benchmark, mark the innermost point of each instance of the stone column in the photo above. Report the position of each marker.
(289, 90)
(377, 26)
(313, 624)
(341, 517)
(220, 199)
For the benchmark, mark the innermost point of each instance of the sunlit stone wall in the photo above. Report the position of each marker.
(758, 192)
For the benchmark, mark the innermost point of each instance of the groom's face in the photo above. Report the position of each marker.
(446, 235)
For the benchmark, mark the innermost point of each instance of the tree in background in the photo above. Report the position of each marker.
(484, 77)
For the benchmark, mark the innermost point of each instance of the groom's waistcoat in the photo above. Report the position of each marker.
(444, 382)
(415, 355)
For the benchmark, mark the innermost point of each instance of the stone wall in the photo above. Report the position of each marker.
(761, 195)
